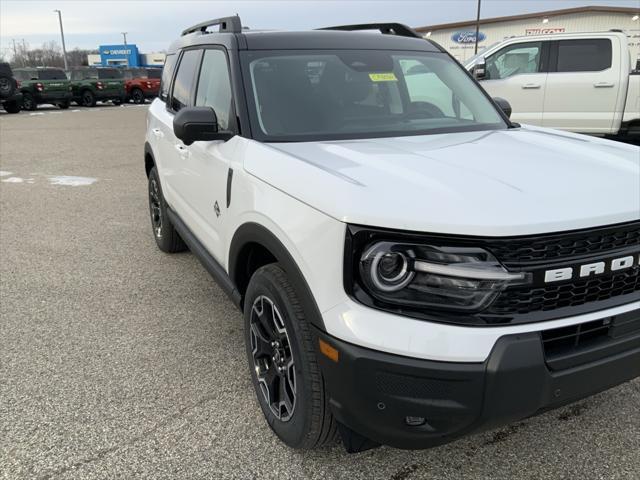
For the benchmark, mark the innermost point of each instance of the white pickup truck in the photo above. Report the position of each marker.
(580, 82)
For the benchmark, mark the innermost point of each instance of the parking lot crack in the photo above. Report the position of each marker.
(132, 441)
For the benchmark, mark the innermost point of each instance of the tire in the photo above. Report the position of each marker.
(87, 98)
(137, 96)
(8, 86)
(28, 102)
(117, 101)
(11, 107)
(280, 351)
(166, 236)
(64, 105)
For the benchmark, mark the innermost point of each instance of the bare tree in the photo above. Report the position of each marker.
(48, 55)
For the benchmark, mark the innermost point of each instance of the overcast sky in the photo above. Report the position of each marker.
(154, 24)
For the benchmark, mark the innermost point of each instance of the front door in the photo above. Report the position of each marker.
(517, 74)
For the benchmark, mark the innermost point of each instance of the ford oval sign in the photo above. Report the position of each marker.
(467, 37)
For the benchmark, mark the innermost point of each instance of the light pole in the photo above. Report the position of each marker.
(477, 28)
(124, 35)
(64, 47)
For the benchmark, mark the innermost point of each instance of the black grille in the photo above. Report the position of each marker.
(519, 251)
(572, 294)
(576, 344)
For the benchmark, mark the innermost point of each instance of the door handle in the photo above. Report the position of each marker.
(157, 132)
(531, 85)
(603, 85)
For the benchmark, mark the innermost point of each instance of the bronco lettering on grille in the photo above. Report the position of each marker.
(589, 269)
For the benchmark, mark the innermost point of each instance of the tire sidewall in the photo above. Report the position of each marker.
(291, 432)
(28, 102)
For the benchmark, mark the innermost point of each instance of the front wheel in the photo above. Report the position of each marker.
(64, 105)
(28, 102)
(117, 101)
(137, 96)
(283, 364)
(88, 99)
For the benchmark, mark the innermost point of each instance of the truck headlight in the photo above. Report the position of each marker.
(432, 276)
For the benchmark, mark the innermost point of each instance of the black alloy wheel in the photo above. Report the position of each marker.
(137, 96)
(272, 358)
(28, 102)
(88, 99)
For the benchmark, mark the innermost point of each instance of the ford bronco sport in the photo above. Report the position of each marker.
(91, 85)
(412, 266)
(141, 83)
(43, 85)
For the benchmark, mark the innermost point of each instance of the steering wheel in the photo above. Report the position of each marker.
(424, 110)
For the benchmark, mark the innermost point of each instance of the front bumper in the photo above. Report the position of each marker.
(372, 393)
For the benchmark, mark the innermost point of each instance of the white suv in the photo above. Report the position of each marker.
(412, 267)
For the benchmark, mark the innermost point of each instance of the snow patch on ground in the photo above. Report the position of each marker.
(4, 173)
(71, 181)
(36, 113)
(13, 180)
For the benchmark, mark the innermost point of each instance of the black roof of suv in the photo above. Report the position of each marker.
(232, 35)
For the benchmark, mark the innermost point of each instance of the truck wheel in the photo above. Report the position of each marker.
(283, 364)
(117, 101)
(165, 234)
(28, 102)
(11, 107)
(64, 105)
(137, 96)
(7, 86)
(88, 99)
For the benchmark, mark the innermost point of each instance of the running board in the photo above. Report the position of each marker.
(206, 259)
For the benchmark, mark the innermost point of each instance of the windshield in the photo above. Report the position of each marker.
(317, 95)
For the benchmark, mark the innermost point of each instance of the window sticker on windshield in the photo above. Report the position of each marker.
(383, 77)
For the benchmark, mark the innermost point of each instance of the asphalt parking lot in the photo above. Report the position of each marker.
(119, 361)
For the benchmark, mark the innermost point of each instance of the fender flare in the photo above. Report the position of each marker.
(255, 233)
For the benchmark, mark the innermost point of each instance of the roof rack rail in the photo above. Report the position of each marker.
(227, 25)
(385, 28)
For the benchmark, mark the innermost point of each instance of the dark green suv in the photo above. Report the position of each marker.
(91, 85)
(43, 85)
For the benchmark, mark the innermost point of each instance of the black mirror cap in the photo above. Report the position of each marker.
(504, 105)
(192, 124)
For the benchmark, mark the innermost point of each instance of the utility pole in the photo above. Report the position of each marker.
(15, 52)
(64, 48)
(124, 35)
(477, 27)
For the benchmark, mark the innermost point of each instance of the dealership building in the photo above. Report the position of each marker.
(125, 55)
(459, 37)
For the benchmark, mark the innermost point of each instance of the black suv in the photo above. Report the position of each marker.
(10, 96)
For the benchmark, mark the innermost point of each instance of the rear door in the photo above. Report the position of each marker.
(172, 153)
(55, 83)
(583, 85)
(518, 74)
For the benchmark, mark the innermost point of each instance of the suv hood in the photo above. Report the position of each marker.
(498, 183)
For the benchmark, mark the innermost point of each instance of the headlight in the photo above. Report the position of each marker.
(431, 276)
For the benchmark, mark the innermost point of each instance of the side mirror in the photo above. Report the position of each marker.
(192, 124)
(479, 70)
(504, 105)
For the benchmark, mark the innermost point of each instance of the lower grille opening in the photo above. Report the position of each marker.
(575, 345)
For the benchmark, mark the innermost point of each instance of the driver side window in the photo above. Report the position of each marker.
(514, 60)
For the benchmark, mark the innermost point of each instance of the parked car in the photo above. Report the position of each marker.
(579, 82)
(43, 85)
(142, 83)
(410, 270)
(10, 95)
(90, 85)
